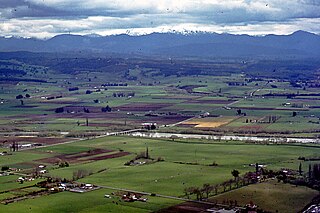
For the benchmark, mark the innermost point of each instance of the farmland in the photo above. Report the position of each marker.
(64, 123)
(92, 102)
(178, 170)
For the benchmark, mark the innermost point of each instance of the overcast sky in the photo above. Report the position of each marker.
(46, 18)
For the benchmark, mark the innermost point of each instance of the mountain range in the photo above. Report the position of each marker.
(298, 44)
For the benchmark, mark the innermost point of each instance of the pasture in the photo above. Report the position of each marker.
(186, 163)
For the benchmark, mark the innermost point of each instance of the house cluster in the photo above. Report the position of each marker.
(149, 126)
(132, 197)
(25, 179)
(223, 210)
(4, 173)
(257, 165)
(14, 169)
(290, 173)
(135, 163)
(63, 187)
(41, 169)
(15, 146)
(86, 187)
(72, 187)
(249, 208)
(204, 115)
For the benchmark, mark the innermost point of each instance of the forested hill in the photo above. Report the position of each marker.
(299, 44)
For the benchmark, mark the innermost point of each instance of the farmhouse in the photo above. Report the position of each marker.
(149, 126)
(214, 210)
(83, 188)
(5, 153)
(43, 171)
(4, 174)
(131, 197)
(22, 179)
(205, 114)
(25, 145)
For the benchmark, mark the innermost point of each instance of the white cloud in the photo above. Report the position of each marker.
(45, 18)
(46, 28)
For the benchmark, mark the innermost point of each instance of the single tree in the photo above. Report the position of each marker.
(4, 168)
(310, 171)
(207, 188)
(216, 187)
(235, 173)
(300, 169)
(59, 110)
(147, 153)
(19, 96)
(230, 184)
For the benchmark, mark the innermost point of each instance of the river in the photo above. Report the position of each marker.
(227, 137)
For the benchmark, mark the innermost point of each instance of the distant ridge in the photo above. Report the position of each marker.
(297, 44)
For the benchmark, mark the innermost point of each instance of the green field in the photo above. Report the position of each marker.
(271, 196)
(169, 177)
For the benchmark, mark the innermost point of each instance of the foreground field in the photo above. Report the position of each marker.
(185, 163)
(85, 203)
(271, 196)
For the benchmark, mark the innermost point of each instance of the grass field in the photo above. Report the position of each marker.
(271, 196)
(88, 202)
(186, 164)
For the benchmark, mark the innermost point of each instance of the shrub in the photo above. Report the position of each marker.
(4, 168)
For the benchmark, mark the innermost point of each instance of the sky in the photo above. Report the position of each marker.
(47, 18)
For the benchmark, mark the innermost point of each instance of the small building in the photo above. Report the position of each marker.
(88, 186)
(23, 146)
(205, 114)
(251, 208)
(149, 126)
(4, 174)
(43, 171)
(3, 153)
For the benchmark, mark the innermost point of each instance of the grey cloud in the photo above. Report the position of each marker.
(214, 13)
(218, 13)
(12, 3)
(37, 11)
(310, 2)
